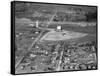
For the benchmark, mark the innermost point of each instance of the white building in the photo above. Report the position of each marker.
(58, 28)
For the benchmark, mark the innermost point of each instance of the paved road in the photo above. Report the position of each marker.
(60, 61)
(71, 23)
(56, 51)
(25, 52)
(51, 18)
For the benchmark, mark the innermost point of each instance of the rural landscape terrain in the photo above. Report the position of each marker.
(52, 37)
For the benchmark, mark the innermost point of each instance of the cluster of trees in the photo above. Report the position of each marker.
(85, 16)
(91, 16)
(77, 14)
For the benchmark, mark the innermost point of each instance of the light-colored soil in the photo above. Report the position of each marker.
(54, 35)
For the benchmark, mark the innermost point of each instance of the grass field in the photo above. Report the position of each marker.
(87, 29)
(62, 35)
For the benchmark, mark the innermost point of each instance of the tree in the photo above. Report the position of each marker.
(91, 16)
